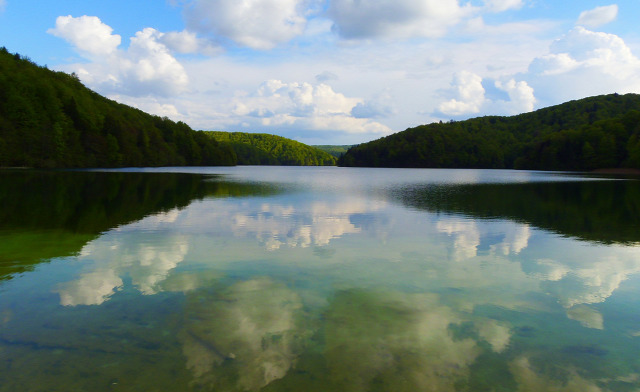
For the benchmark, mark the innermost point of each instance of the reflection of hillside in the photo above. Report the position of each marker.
(53, 214)
(598, 211)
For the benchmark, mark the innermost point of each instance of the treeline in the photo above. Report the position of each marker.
(49, 119)
(265, 149)
(591, 133)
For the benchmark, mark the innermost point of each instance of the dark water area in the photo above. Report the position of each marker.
(318, 279)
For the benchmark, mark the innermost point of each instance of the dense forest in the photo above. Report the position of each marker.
(587, 134)
(335, 150)
(265, 149)
(49, 119)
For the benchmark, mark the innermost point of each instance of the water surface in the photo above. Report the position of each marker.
(318, 279)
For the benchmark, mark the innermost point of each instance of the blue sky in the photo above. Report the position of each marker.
(332, 71)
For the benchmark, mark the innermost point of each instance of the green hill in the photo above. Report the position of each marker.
(49, 119)
(265, 149)
(334, 150)
(587, 134)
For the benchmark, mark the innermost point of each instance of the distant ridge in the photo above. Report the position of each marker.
(587, 134)
(49, 119)
(266, 149)
(335, 150)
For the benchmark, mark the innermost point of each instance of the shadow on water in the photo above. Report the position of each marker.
(47, 214)
(604, 212)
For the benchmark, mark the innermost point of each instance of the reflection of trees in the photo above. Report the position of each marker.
(54, 214)
(599, 211)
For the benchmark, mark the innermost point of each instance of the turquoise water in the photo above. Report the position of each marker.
(318, 279)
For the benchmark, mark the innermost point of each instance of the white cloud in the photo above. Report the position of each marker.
(470, 98)
(187, 42)
(584, 63)
(258, 24)
(469, 95)
(87, 33)
(598, 16)
(303, 105)
(581, 63)
(3, 4)
(521, 97)
(146, 67)
(502, 5)
(395, 18)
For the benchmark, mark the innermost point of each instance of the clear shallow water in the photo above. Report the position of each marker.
(318, 279)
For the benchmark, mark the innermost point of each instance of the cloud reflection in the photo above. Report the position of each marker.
(252, 330)
(140, 255)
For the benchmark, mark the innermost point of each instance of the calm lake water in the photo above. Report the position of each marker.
(318, 279)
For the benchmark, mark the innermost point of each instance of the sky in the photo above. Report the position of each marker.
(332, 71)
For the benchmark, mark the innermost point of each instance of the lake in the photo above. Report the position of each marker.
(318, 279)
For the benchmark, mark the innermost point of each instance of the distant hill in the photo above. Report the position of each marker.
(265, 149)
(336, 151)
(49, 119)
(587, 134)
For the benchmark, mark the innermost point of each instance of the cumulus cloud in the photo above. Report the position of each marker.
(584, 63)
(303, 105)
(469, 97)
(394, 18)
(258, 24)
(187, 42)
(598, 16)
(521, 97)
(146, 67)
(87, 33)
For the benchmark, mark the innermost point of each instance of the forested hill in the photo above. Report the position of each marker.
(335, 150)
(265, 149)
(49, 119)
(587, 134)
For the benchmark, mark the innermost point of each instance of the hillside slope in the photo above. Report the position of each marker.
(49, 119)
(591, 133)
(265, 149)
